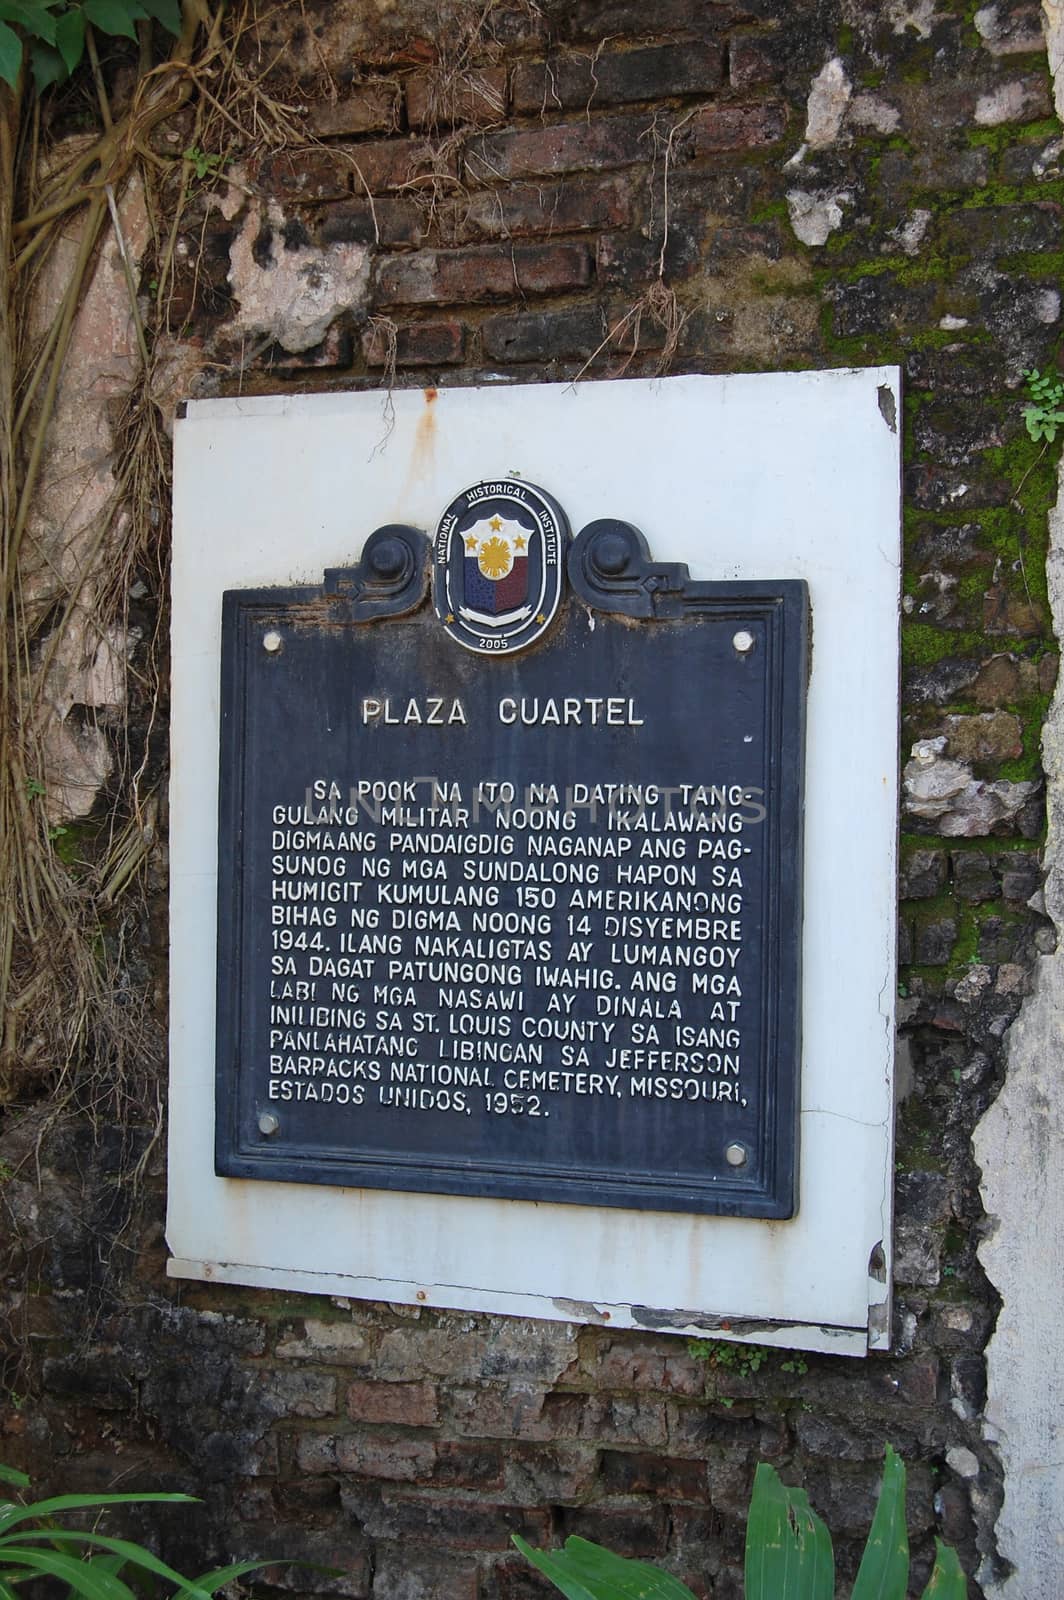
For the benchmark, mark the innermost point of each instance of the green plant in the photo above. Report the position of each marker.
(1045, 414)
(88, 1563)
(54, 33)
(788, 1554)
(742, 1359)
(202, 164)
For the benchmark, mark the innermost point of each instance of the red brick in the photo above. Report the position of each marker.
(596, 146)
(643, 1364)
(369, 108)
(716, 129)
(605, 19)
(467, 276)
(463, 1524)
(335, 350)
(544, 335)
(470, 1466)
(390, 1456)
(756, 59)
(575, 204)
(494, 1414)
(296, 177)
(424, 1574)
(477, 97)
(638, 1533)
(617, 76)
(380, 221)
(419, 344)
(391, 163)
(627, 1472)
(411, 1403)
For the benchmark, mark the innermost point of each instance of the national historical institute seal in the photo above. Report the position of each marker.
(497, 561)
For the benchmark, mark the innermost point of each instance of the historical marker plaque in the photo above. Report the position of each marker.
(510, 882)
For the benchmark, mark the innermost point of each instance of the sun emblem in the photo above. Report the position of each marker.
(495, 558)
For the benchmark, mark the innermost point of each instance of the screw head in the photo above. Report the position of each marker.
(271, 641)
(736, 1155)
(743, 641)
(268, 1122)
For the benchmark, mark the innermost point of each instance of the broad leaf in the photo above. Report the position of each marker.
(788, 1547)
(70, 38)
(585, 1571)
(84, 1502)
(947, 1580)
(36, 20)
(166, 12)
(114, 16)
(10, 62)
(46, 64)
(209, 1582)
(884, 1570)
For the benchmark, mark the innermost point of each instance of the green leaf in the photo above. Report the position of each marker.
(84, 1502)
(114, 16)
(884, 1570)
(788, 1547)
(70, 37)
(166, 12)
(81, 1577)
(208, 1582)
(585, 1571)
(47, 65)
(13, 1476)
(10, 62)
(36, 20)
(135, 1553)
(947, 1580)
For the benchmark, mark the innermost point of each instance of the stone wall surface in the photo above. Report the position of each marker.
(514, 191)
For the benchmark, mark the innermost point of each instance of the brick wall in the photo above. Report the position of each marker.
(753, 187)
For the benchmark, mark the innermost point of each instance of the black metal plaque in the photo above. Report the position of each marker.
(517, 921)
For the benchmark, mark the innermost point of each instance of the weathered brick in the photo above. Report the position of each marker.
(417, 344)
(745, 243)
(1021, 876)
(335, 350)
(1002, 230)
(391, 163)
(640, 1472)
(595, 146)
(941, 167)
(934, 942)
(639, 1533)
(384, 1455)
(605, 19)
(923, 874)
(301, 1394)
(406, 1572)
(624, 259)
(932, 488)
(469, 1466)
(299, 177)
(757, 59)
(476, 97)
(494, 1413)
(544, 335)
(516, 1349)
(492, 273)
(462, 1524)
(613, 1419)
(613, 77)
(550, 1474)
(578, 204)
(644, 1364)
(413, 1404)
(720, 128)
(289, 1543)
(369, 108)
(878, 303)
(379, 221)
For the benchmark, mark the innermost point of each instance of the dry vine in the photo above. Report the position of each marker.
(75, 1025)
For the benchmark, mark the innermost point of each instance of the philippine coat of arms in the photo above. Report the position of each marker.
(497, 565)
